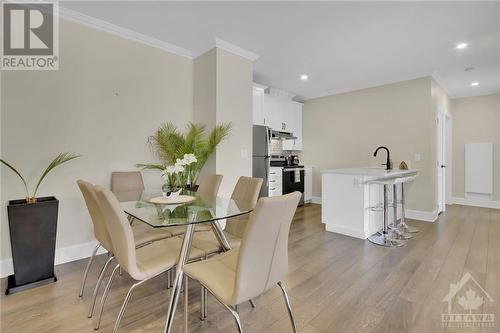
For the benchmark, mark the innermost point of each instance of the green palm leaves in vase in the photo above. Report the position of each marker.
(170, 145)
(60, 159)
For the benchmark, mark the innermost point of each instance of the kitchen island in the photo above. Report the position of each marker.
(351, 199)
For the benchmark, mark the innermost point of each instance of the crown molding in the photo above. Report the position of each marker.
(222, 44)
(98, 24)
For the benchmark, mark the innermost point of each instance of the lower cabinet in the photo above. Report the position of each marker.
(275, 181)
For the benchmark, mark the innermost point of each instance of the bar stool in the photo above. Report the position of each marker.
(383, 237)
(397, 231)
(402, 225)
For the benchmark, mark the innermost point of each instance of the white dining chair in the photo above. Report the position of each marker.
(142, 264)
(260, 263)
(143, 235)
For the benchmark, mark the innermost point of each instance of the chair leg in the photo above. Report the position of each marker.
(105, 295)
(86, 273)
(203, 303)
(186, 303)
(124, 305)
(235, 314)
(288, 306)
(98, 285)
(252, 303)
(169, 279)
(236, 317)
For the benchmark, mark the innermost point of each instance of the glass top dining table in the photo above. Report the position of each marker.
(201, 208)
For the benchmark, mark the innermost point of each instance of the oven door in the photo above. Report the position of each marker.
(293, 180)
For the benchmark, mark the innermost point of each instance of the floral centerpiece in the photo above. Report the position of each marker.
(179, 175)
(189, 150)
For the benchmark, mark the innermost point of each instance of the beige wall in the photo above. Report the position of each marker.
(344, 130)
(234, 104)
(475, 119)
(204, 97)
(107, 97)
(223, 94)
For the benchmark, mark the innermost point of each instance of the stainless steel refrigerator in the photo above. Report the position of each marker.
(261, 157)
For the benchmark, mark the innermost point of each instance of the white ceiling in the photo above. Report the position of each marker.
(342, 46)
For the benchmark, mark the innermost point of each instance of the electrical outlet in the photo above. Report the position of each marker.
(417, 157)
(244, 154)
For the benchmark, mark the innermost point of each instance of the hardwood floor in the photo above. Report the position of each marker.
(336, 284)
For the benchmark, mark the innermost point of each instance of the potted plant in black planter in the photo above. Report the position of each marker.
(33, 227)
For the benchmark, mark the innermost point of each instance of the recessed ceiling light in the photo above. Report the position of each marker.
(474, 84)
(461, 46)
(304, 77)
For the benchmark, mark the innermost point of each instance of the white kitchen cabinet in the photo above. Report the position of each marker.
(293, 118)
(275, 181)
(259, 116)
(274, 108)
(307, 184)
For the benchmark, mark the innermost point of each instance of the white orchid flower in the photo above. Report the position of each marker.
(178, 168)
(190, 158)
(180, 162)
(168, 170)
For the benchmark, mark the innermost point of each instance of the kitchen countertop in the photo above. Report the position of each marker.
(367, 174)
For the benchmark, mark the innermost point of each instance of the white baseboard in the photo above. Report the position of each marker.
(421, 215)
(316, 200)
(476, 202)
(63, 255)
(345, 231)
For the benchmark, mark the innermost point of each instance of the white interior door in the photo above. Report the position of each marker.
(441, 161)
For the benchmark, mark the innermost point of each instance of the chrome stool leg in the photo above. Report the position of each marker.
(397, 232)
(384, 238)
(403, 224)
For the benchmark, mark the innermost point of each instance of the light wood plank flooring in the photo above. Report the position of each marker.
(336, 284)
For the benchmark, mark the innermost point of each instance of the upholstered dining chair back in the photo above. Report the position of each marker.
(246, 192)
(100, 231)
(119, 229)
(210, 184)
(127, 185)
(263, 254)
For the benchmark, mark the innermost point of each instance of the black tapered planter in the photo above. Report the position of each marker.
(33, 230)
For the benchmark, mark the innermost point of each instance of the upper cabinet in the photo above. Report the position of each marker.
(278, 111)
(293, 119)
(259, 117)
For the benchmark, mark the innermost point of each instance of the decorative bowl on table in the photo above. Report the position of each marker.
(176, 200)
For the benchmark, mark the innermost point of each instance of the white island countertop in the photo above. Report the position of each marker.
(367, 174)
(348, 196)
